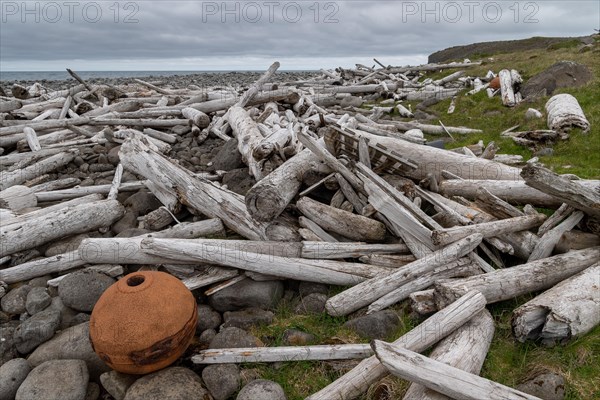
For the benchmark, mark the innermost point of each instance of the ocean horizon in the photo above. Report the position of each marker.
(9, 76)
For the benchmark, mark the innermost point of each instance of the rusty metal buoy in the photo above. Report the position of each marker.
(143, 322)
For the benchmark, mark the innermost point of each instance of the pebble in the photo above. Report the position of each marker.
(81, 290)
(221, 380)
(547, 386)
(247, 318)
(12, 374)
(208, 318)
(8, 351)
(378, 325)
(234, 338)
(36, 330)
(261, 389)
(37, 300)
(295, 337)
(206, 337)
(71, 343)
(14, 302)
(313, 303)
(55, 380)
(248, 293)
(174, 383)
(116, 383)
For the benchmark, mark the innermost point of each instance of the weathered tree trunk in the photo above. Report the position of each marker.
(344, 223)
(283, 353)
(514, 192)
(46, 210)
(441, 377)
(198, 118)
(289, 96)
(63, 194)
(547, 242)
(444, 322)
(564, 113)
(197, 193)
(248, 136)
(568, 310)
(8, 179)
(567, 191)
(348, 250)
(487, 229)
(16, 198)
(466, 349)
(576, 240)
(323, 271)
(504, 284)
(71, 221)
(363, 294)
(43, 266)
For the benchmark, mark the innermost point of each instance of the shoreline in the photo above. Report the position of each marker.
(202, 79)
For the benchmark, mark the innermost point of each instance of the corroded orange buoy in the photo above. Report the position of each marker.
(495, 83)
(143, 323)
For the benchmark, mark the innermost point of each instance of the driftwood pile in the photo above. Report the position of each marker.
(343, 196)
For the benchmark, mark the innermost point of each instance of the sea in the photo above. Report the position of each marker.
(63, 75)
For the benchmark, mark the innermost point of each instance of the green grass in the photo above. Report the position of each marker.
(508, 361)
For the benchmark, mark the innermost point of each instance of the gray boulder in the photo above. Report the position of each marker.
(234, 338)
(71, 343)
(246, 294)
(228, 157)
(14, 302)
(245, 319)
(378, 325)
(207, 318)
(82, 289)
(12, 374)
(36, 330)
(174, 383)
(261, 389)
(548, 386)
(37, 300)
(116, 383)
(560, 75)
(221, 380)
(55, 380)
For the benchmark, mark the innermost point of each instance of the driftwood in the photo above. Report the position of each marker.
(70, 221)
(17, 197)
(8, 179)
(349, 225)
(441, 377)
(435, 328)
(546, 244)
(514, 192)
(363, 294)
(568, 310)
(504, 284)
(564, 113)
(567, 191)
(283, 353)
(466, 349)
(192, 191)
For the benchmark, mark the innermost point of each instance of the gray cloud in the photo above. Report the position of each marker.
(232, 35)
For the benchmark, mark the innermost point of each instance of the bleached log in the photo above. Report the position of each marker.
(567, 191)
(564, 113)
(547, 242)
(65, 108)
(198, 118)
(153, 87)
(365, 293)
(267, 199)
(15, 158)
(316, 230)
(123, 106)
(272, 142)
(40, 267)
(487, 229)
(430, 160)
(249, 137)
(16, 198)
(165, 137)
(432, 129)
(506, 88)
(329, 272)
(504, 284)
(108, 269)
(349, 225)
(55, 207)
(32, 139)
(566, 311)
(404, 112)
(78, 219)
(321, 250)
(441, 377)
(391, 261)
(460, 268)
(496, 206)
(43, 125)
(514, 192)
(59, 195)
(563, 211)
(8, 179)
(444, 322)
(195, 192)
(283, 353)
(286, 95)
(208, 275)
(465, 349)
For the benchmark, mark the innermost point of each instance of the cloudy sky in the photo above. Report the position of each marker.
(217, 35)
